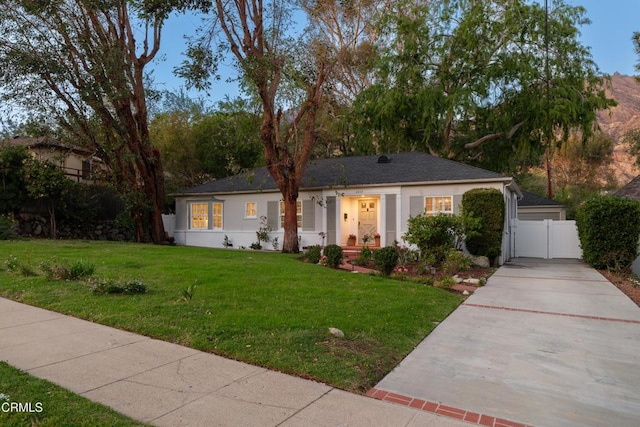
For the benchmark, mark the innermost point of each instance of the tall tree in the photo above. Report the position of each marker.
(466, 79)
(82, 62)
(288, 78)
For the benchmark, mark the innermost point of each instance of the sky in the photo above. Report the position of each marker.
(609, 37)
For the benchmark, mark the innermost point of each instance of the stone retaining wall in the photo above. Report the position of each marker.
(34, 225)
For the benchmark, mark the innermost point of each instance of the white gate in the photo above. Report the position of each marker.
(546, 239)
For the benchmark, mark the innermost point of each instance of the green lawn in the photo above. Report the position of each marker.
(267, 309)
(45, 404)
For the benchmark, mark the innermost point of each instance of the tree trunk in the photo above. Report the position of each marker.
(52, 219)
(291, 243)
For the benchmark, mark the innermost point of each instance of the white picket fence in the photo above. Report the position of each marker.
(546, 239)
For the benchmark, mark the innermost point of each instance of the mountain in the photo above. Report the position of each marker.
(620, 120)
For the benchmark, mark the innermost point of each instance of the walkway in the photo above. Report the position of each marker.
(167, 385)
(544, 343)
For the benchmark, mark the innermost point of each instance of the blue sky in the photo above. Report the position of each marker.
(609, 36)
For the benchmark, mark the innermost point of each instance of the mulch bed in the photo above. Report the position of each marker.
(623, 283)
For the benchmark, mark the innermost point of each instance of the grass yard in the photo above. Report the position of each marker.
(266, 309)
(46, 404)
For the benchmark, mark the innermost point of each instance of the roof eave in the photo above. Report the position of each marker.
(508, 180)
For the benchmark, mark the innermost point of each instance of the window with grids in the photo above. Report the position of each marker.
(200, 215)
(436, 205)
(216, 216)
(207, 216)
(251, 210)
(298, 213)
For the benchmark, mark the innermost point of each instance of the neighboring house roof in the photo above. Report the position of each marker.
(44, 142)
(631, 190)
(340, 172)
(533, 200)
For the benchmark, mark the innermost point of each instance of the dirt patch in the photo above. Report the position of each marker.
(625, 284)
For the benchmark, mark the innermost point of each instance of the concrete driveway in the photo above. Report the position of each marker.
(544, 343)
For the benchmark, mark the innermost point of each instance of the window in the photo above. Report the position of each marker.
(251, 210)
(205, 216)
(217, 216)
(436, 205)
(200, 215)
(298, 214)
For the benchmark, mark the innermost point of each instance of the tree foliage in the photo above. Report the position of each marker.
(81, 63)
(12, 186)
(468, 80)
(199, 144)
(581, 170)
(47, 182)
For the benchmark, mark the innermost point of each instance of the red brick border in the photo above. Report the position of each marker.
(443, 410)
(552, 313)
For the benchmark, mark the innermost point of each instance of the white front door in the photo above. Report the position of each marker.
(367, 219)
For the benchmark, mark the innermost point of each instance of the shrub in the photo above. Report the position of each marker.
(81, 269)
(7, 227)
(132, 287)
(434, 235)
(386, 259)
(314, 253)
(487, 204)
(334, 255)
(365, 256)
(455, 261)
(609, 228)
(446, 282)
(78, 270)
(13, 265)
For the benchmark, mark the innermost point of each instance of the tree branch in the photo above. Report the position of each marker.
(493, 136)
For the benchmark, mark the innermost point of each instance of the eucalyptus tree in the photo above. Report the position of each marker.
(286, 73)
(490, 82)
(82, 63)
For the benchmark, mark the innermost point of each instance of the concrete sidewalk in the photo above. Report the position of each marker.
(167, 385)
(544, 343)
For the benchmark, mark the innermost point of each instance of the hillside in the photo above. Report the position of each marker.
(621, 119)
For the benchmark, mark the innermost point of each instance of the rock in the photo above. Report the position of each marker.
(457, 279)
(472, 281)
(37, 230)
(465, 292)
(336, 332)
(480, 261)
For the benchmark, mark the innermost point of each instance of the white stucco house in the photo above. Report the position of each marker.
(361, 195)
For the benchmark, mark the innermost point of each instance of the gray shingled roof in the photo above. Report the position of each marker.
(343, 172)
(631, 190)
(530, 199)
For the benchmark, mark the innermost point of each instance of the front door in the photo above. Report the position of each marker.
(367, 220)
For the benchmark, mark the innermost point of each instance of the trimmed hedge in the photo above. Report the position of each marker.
(609, 229)
(488, 205)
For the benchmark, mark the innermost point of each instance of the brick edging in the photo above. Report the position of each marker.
(443, 410)
(551, 313)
